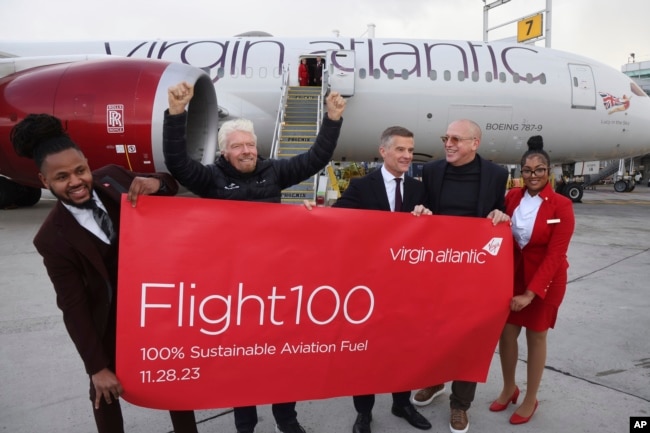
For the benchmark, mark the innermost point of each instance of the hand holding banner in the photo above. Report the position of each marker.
(218, 296)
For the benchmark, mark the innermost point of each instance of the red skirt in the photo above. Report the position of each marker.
(537, 316)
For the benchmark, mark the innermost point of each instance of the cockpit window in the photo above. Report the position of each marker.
(638, 91)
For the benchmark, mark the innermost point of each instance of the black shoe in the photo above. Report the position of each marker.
(290, 427)
(362, 424)
(412, 416)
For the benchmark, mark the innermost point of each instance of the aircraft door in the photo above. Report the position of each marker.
(583, 89)
(340, 71)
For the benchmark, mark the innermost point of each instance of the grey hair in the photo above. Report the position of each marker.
(386, 138)
(243, 125)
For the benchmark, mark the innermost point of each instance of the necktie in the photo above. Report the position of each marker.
(103, 220)
(398, 195)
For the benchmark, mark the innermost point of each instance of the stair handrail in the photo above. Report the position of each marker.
(319, 120)
(284, 91)
(321, 97)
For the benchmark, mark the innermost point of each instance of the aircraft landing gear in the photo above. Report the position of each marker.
(621, 186)
(13, 194)
(574, 191)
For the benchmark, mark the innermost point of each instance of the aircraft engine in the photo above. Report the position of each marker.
(111, 107)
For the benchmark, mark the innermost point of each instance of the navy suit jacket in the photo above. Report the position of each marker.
(369, 192)
(492, 187)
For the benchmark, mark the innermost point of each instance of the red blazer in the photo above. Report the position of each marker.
(543, 260)
(303, 75)
(76, 269)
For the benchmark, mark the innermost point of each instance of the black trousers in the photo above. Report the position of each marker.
(365, 403)
(246, 416)
(462, 394)
(108, 417)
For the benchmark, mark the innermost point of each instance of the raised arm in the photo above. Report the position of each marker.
(179, 96)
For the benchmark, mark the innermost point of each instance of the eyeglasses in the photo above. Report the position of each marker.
(526, 172)
(454, 139)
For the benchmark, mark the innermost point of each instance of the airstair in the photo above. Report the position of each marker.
(608, 170)
(573, 186)
(302, 112)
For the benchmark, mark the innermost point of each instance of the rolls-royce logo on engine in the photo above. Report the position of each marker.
(115, 118)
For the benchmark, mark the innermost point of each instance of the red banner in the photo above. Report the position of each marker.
(220, 297)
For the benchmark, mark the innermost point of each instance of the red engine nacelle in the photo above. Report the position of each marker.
(112, 108)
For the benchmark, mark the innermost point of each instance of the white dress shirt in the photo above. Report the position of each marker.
(389, 184)
(85, 218)
(523, 219)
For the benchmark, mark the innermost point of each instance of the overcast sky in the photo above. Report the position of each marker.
(605, 30)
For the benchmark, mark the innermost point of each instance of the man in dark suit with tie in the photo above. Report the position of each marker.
(387, 189)
(317, 75)
(462, 184)
(78, 242)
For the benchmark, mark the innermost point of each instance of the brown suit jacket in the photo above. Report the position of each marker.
(83, 286)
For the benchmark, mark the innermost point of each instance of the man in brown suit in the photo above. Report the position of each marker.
(79, 248)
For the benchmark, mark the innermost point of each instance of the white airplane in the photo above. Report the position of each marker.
(112, 96)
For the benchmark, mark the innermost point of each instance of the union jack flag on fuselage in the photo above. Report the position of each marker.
(610, 100)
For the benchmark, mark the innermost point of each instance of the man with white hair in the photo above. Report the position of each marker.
(241, 174)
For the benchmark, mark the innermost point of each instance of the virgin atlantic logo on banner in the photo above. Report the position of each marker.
(425, 255)
(224, 295)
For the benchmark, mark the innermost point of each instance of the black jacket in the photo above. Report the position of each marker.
(222, 180)
(492, 186)
(369, 192)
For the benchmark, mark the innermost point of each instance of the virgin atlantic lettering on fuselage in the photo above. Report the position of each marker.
(397, 57)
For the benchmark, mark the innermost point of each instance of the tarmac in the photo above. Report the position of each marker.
(597, 372)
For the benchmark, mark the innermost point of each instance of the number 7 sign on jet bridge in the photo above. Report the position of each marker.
(530, 28)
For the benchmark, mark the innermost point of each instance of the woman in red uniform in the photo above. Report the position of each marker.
(303, 73)
(542, 225)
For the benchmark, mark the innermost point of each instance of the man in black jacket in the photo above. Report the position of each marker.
(462, 184)
(317, 72)
(390, 189)
(240, 174)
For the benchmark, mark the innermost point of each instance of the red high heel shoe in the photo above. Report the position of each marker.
(498, 407)
(518, 419)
